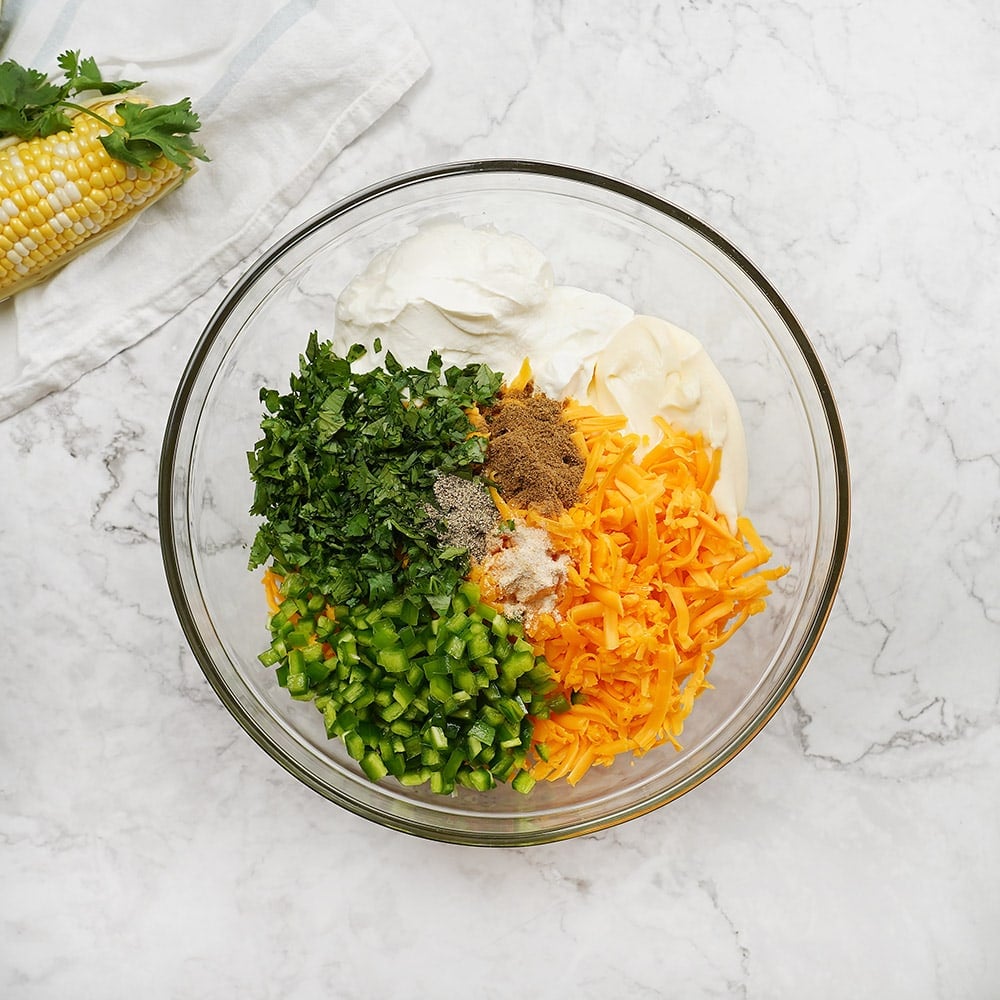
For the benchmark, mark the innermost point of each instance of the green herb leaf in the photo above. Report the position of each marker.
(331, 414)
(26, 100)
(149, 131)
(84, 74)
(26, 88)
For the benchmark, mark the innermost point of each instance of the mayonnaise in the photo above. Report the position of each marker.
(481, 295)
(652, 368)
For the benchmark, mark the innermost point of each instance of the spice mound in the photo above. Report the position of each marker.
(468, 512)
(532, 456)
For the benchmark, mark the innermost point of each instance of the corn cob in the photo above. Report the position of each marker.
(60, 193)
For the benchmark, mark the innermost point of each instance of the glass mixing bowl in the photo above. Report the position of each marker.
(600, 234)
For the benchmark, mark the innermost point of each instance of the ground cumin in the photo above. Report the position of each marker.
(531, 456)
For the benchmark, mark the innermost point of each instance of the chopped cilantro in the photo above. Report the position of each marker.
(345, 469)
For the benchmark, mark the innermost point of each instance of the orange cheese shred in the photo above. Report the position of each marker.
(658, 582)
(272, 583)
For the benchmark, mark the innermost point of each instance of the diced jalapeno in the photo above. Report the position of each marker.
(439, 692)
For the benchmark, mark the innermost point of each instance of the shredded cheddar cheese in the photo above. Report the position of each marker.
(658, 582)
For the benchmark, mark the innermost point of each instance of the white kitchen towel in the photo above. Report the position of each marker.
(282, 86)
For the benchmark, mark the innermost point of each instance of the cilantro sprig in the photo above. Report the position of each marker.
(345, 469)
(32, 105)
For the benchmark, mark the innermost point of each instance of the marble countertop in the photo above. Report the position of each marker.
(150, 849)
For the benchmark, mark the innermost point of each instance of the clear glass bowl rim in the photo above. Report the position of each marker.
(754, 724)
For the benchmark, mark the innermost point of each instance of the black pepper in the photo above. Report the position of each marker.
(468, 512)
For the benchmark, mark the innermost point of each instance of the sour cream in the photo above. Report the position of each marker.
(477, 295)
(481, 295)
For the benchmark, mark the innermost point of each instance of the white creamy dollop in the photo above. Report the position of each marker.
(481, 295)
(652, 368)
(476, 295)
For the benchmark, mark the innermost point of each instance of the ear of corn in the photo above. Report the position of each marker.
(60, 193)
